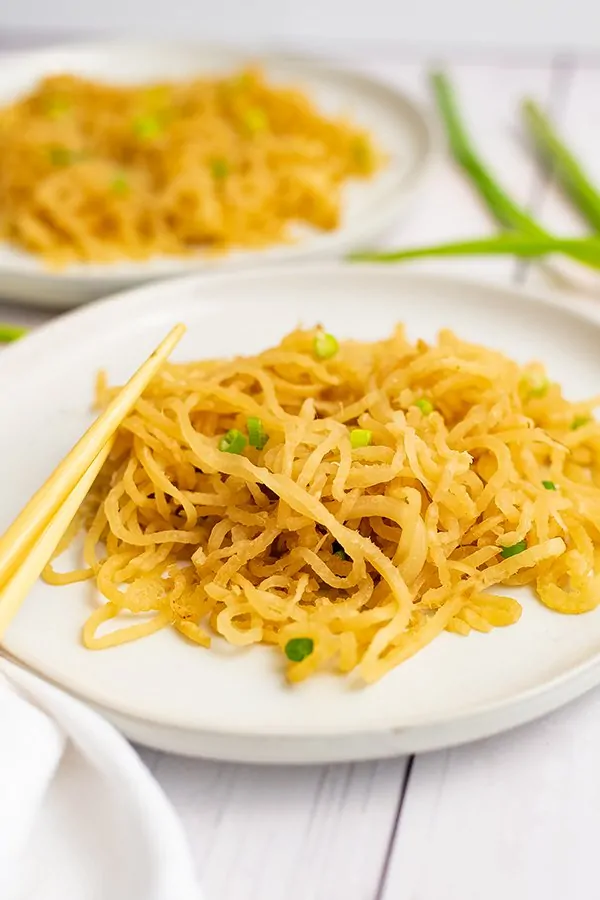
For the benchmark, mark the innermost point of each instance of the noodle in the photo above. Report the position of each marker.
(95, 172)
(350, 522)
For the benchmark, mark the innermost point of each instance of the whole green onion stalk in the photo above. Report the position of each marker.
(9, 333)
(524, 237)
(508, 213)
(559, 160)
(523, 246)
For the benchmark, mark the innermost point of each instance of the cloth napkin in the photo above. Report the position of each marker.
(81, 818)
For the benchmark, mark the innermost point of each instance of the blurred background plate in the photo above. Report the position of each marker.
(369, 207)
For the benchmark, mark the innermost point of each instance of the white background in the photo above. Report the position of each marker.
(535, 24)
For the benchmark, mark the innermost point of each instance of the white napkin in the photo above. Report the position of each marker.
(80, 817)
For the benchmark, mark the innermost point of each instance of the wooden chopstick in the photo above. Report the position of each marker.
(16, 588)
(19, 538)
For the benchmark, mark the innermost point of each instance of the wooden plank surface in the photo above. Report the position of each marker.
(514, 816)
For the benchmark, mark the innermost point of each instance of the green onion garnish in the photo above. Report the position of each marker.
(9, 333)
(60, 156)
(147, 127)
(325, 345)
(219, 168)
(425, 405)
(338, 550)
(255, 120)
(549, 485)
(539, 389)
(361, 152)
(232, 442)
(360, 437)
(120, 185)
(579, 421)
(519, 547)
(299, 648)
(57, 106)
(256, 433)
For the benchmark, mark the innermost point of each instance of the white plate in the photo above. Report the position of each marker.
(368, 206)
(234, 704)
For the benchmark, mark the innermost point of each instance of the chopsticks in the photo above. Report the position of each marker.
(28, 544)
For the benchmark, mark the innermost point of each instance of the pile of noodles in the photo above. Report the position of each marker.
(478, 475)
(98, 172)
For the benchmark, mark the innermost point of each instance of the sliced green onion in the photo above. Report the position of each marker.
(120, 185)
(519, 547)
(63, 156)
(299, 648)
(57, 106)
(425, 405)
(360, 437)
(325, 345)
(9, 333)
(361, 152)
(219, 168)
(256, 433)
(255, 120)
(338, 550)
(539, 389)
(549, 485)
(60, 156)
(232, 442)
(579, 421)
(147, 127)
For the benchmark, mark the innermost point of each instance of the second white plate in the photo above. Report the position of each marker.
(399, 126)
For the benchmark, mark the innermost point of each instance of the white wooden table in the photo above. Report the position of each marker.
(512, 817)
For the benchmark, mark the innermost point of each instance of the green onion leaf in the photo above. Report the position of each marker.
(361, 153)
(519, 547)
(360, 437)
(325, 345)
(255, 120)
(256, 433)
(219, 168)
(338, 550)
(549, 485)
(60, 156)
(579, 421)
(425, 405)
(232, 442)
(9, 333)
(524, 246)
(63, 156)
(562, 164)
(500, 204)
(147, 127)
(56, 107)
(299, 648)
(120, 185)
(540, 389)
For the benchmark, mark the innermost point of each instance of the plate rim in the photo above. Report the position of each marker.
(107, 279)
(520, 707)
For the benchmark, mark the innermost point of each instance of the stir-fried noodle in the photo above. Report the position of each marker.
(345, 503)
(95, 172)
